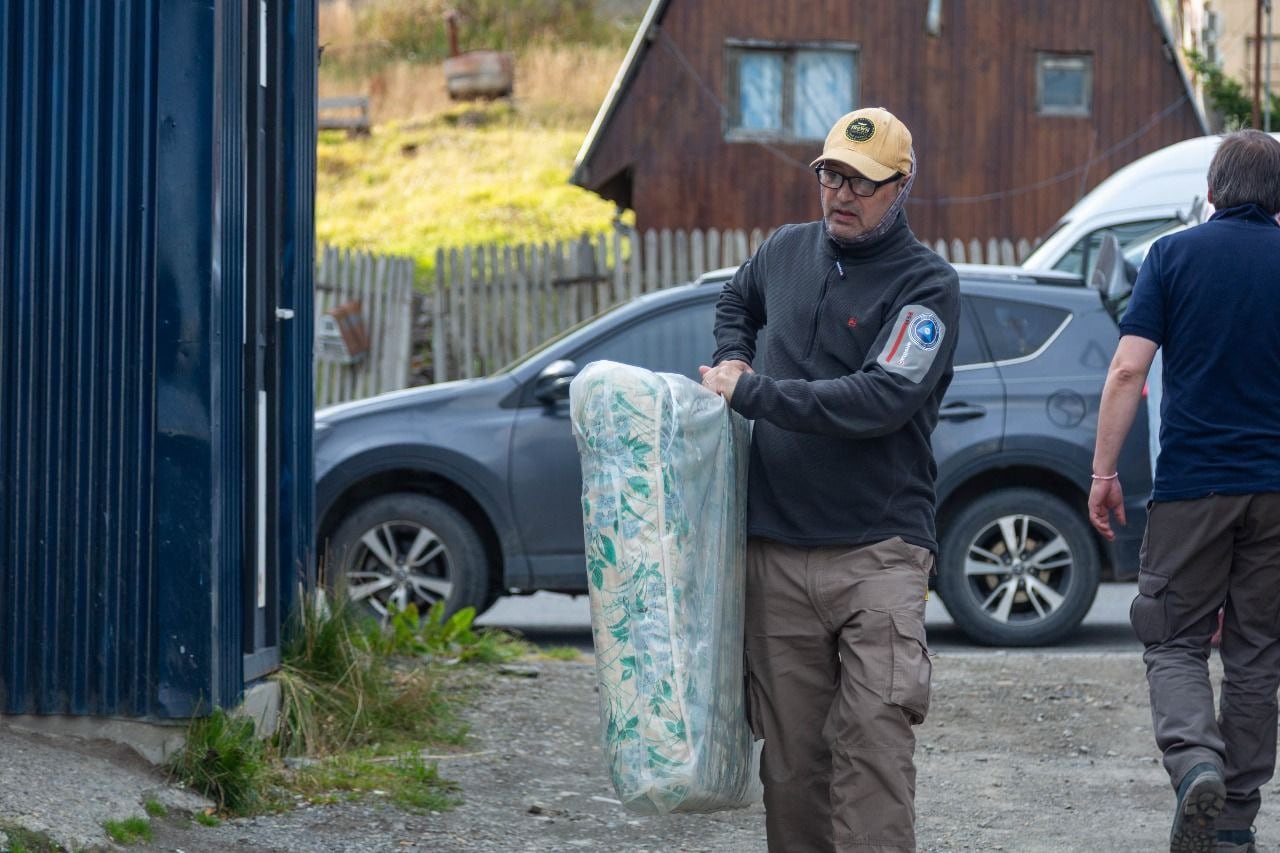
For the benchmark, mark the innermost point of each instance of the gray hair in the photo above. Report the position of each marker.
(1246, 170)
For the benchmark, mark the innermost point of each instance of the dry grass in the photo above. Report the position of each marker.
(338, 23)
(438, 174)
(559, 87)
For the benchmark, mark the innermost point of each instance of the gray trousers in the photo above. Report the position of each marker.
(838, 673)
(1197, 556)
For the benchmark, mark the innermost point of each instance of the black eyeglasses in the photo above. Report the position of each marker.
(864, 187)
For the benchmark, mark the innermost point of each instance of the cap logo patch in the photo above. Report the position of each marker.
(860, 129)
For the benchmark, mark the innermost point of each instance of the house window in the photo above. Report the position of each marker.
(1064, 84)
(789, 92)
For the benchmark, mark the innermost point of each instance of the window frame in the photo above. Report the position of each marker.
(1045, 56)
(734, 48)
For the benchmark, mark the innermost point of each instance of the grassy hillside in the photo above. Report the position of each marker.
(415, 187)
(437, 174)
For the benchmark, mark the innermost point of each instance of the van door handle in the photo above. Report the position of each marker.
(961, 412)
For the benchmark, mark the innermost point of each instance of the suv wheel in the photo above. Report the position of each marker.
(408, 548)
(1018, 567)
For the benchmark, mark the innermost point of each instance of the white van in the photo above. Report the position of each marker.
(1150, 196)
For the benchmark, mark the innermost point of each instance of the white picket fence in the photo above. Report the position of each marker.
(492, 303)
(383, 287)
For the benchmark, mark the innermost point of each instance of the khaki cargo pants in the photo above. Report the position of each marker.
(838, 673)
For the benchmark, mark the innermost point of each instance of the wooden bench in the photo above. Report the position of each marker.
(348, 113)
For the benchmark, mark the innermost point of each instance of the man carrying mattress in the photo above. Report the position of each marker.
(862, 323)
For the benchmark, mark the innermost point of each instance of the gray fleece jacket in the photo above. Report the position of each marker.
(856, 356)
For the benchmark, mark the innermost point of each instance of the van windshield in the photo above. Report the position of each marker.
(1081, 258)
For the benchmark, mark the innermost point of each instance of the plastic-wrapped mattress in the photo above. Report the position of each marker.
(664, 464)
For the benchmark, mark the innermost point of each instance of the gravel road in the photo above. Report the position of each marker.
(1022, 751)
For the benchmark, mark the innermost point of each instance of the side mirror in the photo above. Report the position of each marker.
(552, 384)
(1110, 278)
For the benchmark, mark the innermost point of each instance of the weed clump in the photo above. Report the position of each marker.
(361, 700)
(132, 830)
(223, 760)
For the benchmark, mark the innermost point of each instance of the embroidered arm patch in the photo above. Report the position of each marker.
(913, 343)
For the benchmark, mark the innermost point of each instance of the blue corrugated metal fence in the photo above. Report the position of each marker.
(129, 276)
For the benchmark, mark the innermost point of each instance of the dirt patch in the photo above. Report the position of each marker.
(1022, 751)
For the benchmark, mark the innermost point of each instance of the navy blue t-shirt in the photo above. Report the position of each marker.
(1210, 297)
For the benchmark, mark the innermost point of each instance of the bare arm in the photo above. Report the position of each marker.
(1120, 398)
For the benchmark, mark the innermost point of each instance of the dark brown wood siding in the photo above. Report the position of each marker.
(989, 165)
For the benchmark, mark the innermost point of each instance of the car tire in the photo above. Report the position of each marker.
(1031, 597)
(406, 547)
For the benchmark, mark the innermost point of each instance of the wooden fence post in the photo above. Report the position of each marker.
(439, 369)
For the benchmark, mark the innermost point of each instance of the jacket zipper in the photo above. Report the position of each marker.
(817, 310)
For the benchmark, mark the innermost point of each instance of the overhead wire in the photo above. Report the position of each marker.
(674, 49)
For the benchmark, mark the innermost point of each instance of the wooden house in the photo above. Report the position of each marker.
(1017, 107)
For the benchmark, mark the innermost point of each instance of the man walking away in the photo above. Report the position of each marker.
(1209, 298)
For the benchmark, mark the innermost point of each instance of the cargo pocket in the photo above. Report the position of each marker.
(1148, 613)
(909, 685)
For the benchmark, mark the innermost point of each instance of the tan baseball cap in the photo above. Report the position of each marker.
(871, 140)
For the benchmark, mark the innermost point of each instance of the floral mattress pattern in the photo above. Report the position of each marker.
(664, 505)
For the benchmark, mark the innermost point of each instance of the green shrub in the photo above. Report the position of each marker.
(452, 638)
(1227, 95)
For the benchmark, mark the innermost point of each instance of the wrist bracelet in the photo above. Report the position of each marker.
(1108, 477)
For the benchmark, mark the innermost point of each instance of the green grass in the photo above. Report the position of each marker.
(406, 779)
(224, 760)
(363, 698)
(207, 819)
(155, 808)
(338, 690)
(560, 653)
(413, 189)
(22, 840)
(131, 830)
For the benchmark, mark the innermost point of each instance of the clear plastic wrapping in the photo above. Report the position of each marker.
(664, 464)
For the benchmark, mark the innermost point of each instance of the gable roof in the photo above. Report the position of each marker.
(645, 36)
(626, 73)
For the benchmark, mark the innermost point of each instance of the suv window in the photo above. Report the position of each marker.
(1081, 258)
(675, 341)
(969, 349)
(1015, 329)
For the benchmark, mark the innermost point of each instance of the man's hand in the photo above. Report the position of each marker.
(1106, 497)
(723, 378)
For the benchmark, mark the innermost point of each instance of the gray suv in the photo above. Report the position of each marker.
(469, 490)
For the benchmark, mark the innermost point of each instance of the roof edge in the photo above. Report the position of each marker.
(626, 73)
(1178, 62)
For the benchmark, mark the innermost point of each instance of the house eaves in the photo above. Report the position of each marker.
(626, 73)
(1175, 56)
(645, 34)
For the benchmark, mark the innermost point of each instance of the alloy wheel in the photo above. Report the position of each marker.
(398, 563)
(1017, 569)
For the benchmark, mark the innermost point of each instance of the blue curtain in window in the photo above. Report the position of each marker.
(824, 87)
(760, 91)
